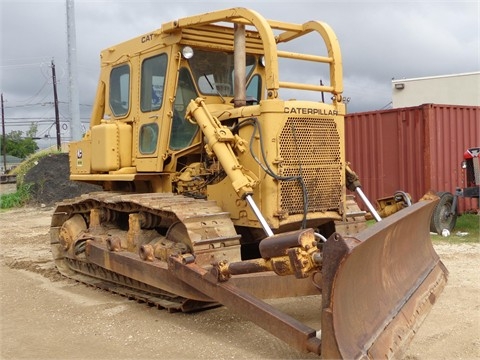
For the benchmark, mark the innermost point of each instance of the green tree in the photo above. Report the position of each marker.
(20, 146)
(32, 132)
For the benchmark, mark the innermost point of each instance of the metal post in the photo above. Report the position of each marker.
(323, 94)
(368, 203)
(75, 122)
(259, 216)
(55, 102)
(239, 71)
(4, 139)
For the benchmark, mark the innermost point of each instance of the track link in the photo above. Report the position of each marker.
(204, 228)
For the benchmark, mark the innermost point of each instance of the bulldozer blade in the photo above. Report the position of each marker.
(379, 286)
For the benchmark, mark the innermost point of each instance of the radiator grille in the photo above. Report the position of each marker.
(315, 144)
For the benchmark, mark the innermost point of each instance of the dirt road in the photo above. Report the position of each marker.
(45, 316)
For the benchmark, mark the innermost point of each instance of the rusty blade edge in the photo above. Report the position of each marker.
(383, 274)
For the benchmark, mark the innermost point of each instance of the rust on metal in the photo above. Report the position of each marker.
(376, 288)
(152, 273)
(373, 308)
(249, 267)
(286, 328)
(277, 245)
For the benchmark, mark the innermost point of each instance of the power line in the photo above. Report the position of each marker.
(40, 119)
(36, 94)
(42, 104)
(35, 104)
(19, 66)
(29, 58)
(388, 106)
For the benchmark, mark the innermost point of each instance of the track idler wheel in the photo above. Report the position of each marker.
(71, 232)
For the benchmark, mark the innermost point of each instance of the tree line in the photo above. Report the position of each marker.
(19, 144)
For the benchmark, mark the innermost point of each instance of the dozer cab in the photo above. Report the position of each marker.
(225, 182)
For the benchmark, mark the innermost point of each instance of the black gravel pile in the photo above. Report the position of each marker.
(51, 184)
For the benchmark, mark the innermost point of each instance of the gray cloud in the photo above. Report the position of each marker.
(379, 41)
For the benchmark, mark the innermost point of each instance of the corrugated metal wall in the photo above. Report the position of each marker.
(412, 149)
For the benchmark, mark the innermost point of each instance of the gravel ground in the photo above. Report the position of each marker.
(45, 316)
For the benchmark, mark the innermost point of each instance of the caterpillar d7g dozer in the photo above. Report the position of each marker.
(217, 191)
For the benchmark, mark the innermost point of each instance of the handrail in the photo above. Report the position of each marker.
(302, 86)
(307, 57)
(270, 41)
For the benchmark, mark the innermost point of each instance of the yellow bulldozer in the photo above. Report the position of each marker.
(225, 183)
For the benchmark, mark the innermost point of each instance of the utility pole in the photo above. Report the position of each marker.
(323, 95)
(75, 122)
(55, 102)
(4, 139)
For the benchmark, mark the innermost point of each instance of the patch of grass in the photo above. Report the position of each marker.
(23, 193)
(467, 230)
(16, 199)
(30, 162)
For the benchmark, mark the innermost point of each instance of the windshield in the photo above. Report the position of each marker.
(213, 71)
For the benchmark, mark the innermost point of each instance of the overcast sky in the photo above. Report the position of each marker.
(380, 40)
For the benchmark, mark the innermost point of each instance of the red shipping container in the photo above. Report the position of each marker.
(412, 149)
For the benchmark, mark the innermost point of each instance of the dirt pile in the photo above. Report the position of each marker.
(50, 181)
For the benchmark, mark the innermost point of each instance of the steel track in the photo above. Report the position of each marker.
(162, 210)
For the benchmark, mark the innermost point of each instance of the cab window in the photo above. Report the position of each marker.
(148, 138)
(213, 71)
(254, 88)
(183, 131)
(152, 83)
(119, 93)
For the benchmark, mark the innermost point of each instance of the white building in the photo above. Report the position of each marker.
(456, 89)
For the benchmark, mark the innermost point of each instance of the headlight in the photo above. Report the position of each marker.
(262, 61)
(187, 52)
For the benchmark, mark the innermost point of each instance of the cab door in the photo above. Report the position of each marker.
(182, 132)
(153, 113)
